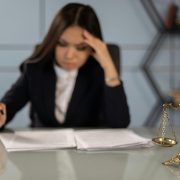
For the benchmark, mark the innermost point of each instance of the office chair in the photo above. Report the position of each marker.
(114, 50)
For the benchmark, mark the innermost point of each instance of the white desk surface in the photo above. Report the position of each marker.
(66, 164)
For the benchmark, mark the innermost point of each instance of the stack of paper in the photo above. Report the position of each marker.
(108, 139)
(99, 139)
(38, 140)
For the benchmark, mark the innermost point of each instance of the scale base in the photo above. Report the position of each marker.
(163, 141)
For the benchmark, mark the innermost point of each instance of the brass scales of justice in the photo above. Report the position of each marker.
(166, 135)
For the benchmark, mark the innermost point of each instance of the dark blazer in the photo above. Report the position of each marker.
(93, 104)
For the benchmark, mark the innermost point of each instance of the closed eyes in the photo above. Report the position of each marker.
(79, 47)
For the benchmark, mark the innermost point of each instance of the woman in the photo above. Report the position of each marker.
(70, 79)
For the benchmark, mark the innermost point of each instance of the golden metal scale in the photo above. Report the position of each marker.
(166, 134)
(175, 160)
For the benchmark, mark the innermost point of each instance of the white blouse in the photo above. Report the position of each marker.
(64, 87)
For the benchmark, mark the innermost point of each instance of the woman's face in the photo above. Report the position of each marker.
(71, 52)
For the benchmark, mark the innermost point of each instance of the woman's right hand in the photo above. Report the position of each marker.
(2, 114)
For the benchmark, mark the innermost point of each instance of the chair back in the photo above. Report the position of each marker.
(114, 50)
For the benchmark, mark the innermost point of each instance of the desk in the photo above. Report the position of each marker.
(71, 164)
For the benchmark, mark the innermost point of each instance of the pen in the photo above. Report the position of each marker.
(1, 112)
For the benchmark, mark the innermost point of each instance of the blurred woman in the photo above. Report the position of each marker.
(70, 79)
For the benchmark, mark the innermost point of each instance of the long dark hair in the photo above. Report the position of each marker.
(71, 14)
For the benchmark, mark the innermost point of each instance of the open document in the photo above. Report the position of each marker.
(38, 140)
(108, 139)
(95, 139)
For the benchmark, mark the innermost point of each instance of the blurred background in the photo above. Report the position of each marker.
(150, 54)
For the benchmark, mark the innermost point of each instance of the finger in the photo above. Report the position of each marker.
(87, 35)
(90, 39)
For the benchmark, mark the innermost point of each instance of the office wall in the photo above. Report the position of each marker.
(125, 22)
